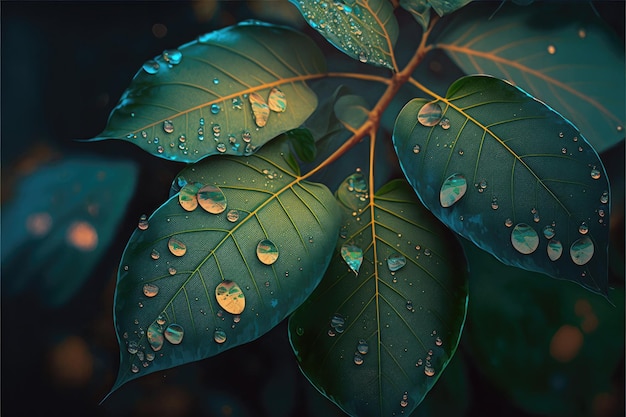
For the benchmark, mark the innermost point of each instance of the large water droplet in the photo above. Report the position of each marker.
(554, 249)
(143, 222)
(230, 297)
(212, 199)
(172, 56)
(151, 66)
(582, 250)
(430, 114)
(155, 336)
(277, 101)
(260, 109)
(168, 126)
(362, 347)
(395, 262)
(353, 255)
(267, 252)
(177, 247)
(174, 333)
(524, 238)
(150, 290)
(187, 196)
(219, 336)
(452, 190)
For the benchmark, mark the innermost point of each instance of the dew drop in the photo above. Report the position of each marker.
(417, 149)
(524, 238)
(353, 255)
(221, 148)
(155, 337)
(230, 297)
(494, 203)
(563, 151)
(452, 190)
(132, 347)
(212, 199)
(438, 341)
(237, 103)
(604, 198)
(150, 290)
(151, 67)
(445, 123)
(554, 249)
(187, 196)
(508, 222)
(277, 101)
(358, 359)
(216, 81)
(581, 250)
(160, 320)
(176, 247)
(267, 252)
(134, 368)
(160, 149)
(429, 370)
(168, 126)
(337, 322)
(246, 136)
(362, 347)
(395, 262)
(595, 174)
(155, 254)
(409, 305)
(548, 232)
(174, 333)
(405, 400)
(430, 114)
(171, 270)
(583, 229)
(143, 222)
(219, 336)
(215, 109)
(232, 215)
(217, 130)
(172, 56)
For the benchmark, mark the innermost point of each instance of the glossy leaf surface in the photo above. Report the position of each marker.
(510, 174)
(366, 30)
(564, 55)
(377, 341)
(231, 91)
(59, 223)
(352, 111)
(262, 254)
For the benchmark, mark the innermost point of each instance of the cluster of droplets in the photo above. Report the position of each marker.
(350, 28)
(361, 350)
(337, 323)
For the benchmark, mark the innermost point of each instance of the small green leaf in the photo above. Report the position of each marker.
(366, 30)
(193, 283)
(230, 91)
(376, 341)
(512, 175)
(352, 111)
(59, 223)
(564, 55)
(303, 144)
(420, 9)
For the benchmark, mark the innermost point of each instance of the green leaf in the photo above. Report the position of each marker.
(443, 7)
(170, 272)
(303, 144)
(352, 111)
(419, 9)
(565, 56)
(366, 30)
(365, 340)
(59, 223)
(512, 175)
(224, 96)
(562, 344)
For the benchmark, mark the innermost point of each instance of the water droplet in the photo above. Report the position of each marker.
(230, 297)
(604, 198)
(160, 149)
(277, 101)
(395, 262)
(554, 249)
(337, 322)
(172, 56)
(187, 196)
(246, 136)
(508, 222)
(438, 341)
(445, 123)
(416, 149)
(217, 130)
(582, 33)
(155, 254)
(168, 126)
(134, 368)
(219, 336)
(143, 222)
(358, 359)
(174, 333)
(426, 252)
(216, 81)
(405, 400)
(430, 114)
(232, 215)
(260, 109)
(452, 190)
(362, 347)
(171, 270)
(267, 252)
(581, 251)
(363, 57)
(176, 247)
(353, 255)
(536, 217)
(155, 337)
(429, 370)
(595, 174)
(331, 333)
(237, 103)
(160, 320)
(548, 232)
(215, 108)
(150, 290)
(551, 49)
(494, 203)
(149, 356)
(212, 199)
(524, 238)
(409, 305)
(132, 347)
(151, 67)
(563, 151)
(221, 148)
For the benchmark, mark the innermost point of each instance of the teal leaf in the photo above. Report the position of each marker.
(352, 111)
(366, 30)
(204, 277)
(376, 342)
(567, 57)
(58, 224)
(512, 175)
(563, 345)
(419, 9)
(228, 92)
(444, 7)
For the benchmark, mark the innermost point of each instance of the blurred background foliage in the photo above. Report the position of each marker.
(531, 347)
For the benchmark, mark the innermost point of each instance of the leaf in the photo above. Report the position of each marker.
(215, 100)
(419, 9)
(60, 222)
(443, 7)
(352, 111)
(264, 251)
(512, 175)
(366, 30)
(546, 333)
(360, 338)
(566, 57)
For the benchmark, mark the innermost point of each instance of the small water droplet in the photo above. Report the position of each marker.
(429, 370)
(582, 250)
(430, 114)
(174, 333)
(155, 254)
(216, 81)
(150, 290)
(246, 136)
(219, 336)
(395, 262)
(267, 252)
(452, 190)
(260, 109)
(168, 126)
(160, 149)
(409, 305)
(362, 347)
(508, 222)
(151, 67)
(212, 199)
(217, 130)
(237, 103)
(438, 341)
(405, 400)
(416, 149)
(362, 57)
(426, 252)
(132, 347)
(563, 151)
(554, 249)
(160, 320)
(353, 255)
(419, 362)
(230, 297)
(172, 56)
(171, 270)
(536, 217)
(143, 222)
(155, 337)
(176, 247)
(134, 368)
(277, 101)
(551, 49)
(445, 123)
(232, 215)
(221, 148)
(548, 232)
(215, 109)
(604, 198)
(595, 174)
(494, 203)
(524, 238)
(358, 359)
(583, 229)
